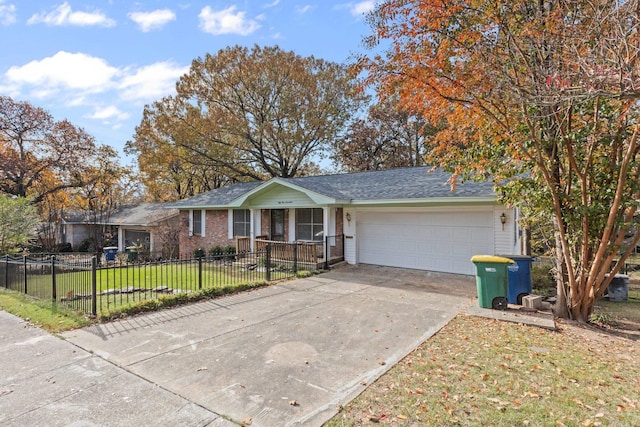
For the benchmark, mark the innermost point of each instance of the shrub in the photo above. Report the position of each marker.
(87, 245)
(198, 253)
(542, 277)
(64, 247)
(216, 251)
(230, 252)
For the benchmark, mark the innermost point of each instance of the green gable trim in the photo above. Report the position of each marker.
(277, 193)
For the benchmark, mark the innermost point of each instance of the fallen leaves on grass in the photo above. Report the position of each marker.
(479, 371)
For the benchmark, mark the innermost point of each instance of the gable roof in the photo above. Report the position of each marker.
(395, 185)
(142, 214)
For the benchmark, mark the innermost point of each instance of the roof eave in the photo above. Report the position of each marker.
(428, 201)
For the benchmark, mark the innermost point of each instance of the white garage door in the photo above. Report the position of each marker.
(435, 241)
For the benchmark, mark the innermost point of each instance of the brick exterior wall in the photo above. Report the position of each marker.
(265, 223)
(216, 232)
(216, 229)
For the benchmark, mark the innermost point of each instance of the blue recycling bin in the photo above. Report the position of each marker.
(110, 253)
(519, 278)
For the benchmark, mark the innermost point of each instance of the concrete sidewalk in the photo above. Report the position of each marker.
(45, 381)
(288, 354)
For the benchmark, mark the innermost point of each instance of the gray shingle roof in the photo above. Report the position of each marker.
(144, 214)
(219, 196)
(394, 184)
(403, 183)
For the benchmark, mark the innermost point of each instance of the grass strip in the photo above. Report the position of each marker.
(45, 314)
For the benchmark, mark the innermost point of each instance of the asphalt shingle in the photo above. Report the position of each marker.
(394, 184)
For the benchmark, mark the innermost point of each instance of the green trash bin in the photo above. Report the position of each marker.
(492, 280)
(132, 253)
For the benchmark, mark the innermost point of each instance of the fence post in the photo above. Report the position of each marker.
(295, 257)
(94, 286)
(200, 272)
(326, 252)
(54, 291)
(24, 264)
(268, 261)
(6, 271)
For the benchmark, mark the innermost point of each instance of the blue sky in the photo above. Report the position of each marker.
(97, 63)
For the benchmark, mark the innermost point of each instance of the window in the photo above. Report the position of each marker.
(310, 224)
(241, 222)
(197, 223)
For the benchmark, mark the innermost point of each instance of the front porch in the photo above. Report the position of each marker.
(305, 255)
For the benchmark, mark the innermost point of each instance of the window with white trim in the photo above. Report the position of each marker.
(197, 223)
(309, 224)
(241, 222)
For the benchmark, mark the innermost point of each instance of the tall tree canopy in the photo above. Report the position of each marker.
(18, 223)
(389, 137)
(549, 88)
(248, 114)
(33, 146)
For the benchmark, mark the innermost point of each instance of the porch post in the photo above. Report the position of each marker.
(254, 227)
(121, 241)
(326, 221)
(292, 225)
(152, 248)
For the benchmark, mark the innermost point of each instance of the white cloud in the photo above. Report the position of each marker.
(152, 20)
(7, 13)
(109, 112)
(152, 81)
(272, 4)
(226, 21)
(362, 8)
(63, 15)
(63, 71)
(303, 9)
(102, 92)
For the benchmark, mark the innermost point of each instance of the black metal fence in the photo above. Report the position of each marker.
(83, 284)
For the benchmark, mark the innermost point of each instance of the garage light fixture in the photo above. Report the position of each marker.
(503, 220)
(348, 217)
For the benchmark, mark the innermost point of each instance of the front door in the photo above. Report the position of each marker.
(277, 224)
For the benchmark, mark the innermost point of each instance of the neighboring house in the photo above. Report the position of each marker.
(403, 217)
(146, 225)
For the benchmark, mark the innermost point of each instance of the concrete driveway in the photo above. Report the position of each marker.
(287, 354)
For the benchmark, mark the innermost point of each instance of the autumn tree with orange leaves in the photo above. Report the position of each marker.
(542, 96)
(244, 114)
(33, 146)
(57, 166)
(387, 138)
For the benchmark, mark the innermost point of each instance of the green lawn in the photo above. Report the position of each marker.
(132, 284)
(43, 313)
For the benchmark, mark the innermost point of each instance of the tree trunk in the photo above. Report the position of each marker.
(561, 307)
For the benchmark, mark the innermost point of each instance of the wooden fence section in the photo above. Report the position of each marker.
(243, 245)
(305, 252)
